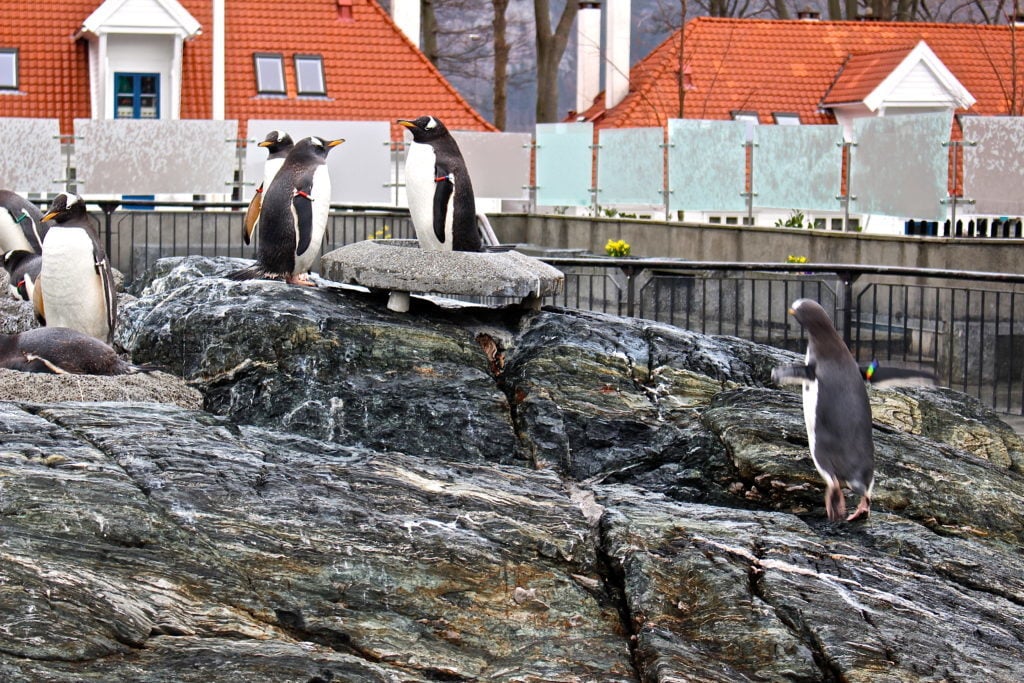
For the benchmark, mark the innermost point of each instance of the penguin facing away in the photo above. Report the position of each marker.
(439, 190)
(278, 144)
(294, 215)
(23, 272)
(21, 223)
(60, 350)
(75, 287)
(836, 411)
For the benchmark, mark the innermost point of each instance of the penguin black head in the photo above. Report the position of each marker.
(313, 148)
(65, 207)
(425, 128)
(276, 140)
(813, 317)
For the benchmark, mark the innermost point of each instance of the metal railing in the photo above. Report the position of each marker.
(967, 327)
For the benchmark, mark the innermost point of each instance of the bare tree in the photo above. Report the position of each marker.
(550, 48)
(501, 53)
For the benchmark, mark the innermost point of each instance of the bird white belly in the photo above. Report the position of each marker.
(11, 235)
(270, 169)
(810, 400)
(321, 193)
(72, 289)
(419, 190)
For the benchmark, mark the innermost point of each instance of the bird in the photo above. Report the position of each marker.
(60, 350)
(439, 190)
(21, 223)
(883, 377)
(836, 411)
(278, 144)
(76, 286)
(294, 215)
(23, 272)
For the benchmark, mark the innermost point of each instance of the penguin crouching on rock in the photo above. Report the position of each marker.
(293, 216)
(836, 411)
(440, 193)
(278, 144)
(76, 286)
(60, 351)
(23, 273)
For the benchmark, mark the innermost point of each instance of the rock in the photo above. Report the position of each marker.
(488, 494)
(143, 387)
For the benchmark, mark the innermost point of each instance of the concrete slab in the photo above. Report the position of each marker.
(401, 267)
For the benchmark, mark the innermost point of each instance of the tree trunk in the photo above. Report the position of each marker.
(550, 47)
(429, 21)
(501, 52)
(835, 10)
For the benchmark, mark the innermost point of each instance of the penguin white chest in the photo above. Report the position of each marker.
(11, 235)
(420, 186)
(321, 205)
(810, 403)
(73, 292)
(270, 169)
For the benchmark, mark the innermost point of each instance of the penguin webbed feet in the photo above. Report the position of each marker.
(863, 510)
(302, 279)
(835, 505)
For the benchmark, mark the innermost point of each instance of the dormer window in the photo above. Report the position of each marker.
(309, 75)
(8, 68)
(269, 73)
(783, 118)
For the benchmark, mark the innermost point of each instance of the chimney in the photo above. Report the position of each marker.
(588, 54)
(808, 14)
(616, 71)
(406, 14)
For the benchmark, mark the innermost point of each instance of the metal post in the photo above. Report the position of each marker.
(847, 278)
(108, 206)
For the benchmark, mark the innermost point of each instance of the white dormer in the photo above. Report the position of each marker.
(907, 81)
(135, 55)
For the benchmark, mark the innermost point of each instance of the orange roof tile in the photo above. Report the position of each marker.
(372, 71)
(787, 66)
(861, 74)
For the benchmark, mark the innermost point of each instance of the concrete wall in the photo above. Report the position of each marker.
(752, 244)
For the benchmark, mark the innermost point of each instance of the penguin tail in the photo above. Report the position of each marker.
(253, 272)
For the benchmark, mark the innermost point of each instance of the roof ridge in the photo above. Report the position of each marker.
(848, 22)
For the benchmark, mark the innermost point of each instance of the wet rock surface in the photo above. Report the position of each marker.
(477, 494)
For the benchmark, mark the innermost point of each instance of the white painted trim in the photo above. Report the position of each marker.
(218, 61)
(886, 93)
(96, 23)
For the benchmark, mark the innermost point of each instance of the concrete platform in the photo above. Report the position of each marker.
(401, 267)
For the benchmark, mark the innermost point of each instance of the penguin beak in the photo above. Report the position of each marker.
(264, 143)
(406, 123)
(791, 311)
(334, 143)
(49, 216)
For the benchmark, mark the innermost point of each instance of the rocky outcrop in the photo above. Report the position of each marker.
(459, 493)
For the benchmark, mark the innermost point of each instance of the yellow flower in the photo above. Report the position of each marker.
(616, 248)
(796, 259)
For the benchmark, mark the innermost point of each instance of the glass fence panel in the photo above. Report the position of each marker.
(30, 159)
(798, 167)
(899, 166)
(565, 162)
(360, 168)
(993, 168)
(707, 165)
(629, 166)
(142, 156)
(498, 163)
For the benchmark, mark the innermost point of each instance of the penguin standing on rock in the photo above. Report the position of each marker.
(23, 272)
(836, 411)
(294, 214)
(75, 288)
(439, 190)
(278, 144)
(21, 223)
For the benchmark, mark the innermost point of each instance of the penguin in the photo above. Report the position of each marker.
(21, 223)
(836, 411)
(23, 272)
(885, 377)
(439, 189)
(60, 350)
(294, 215)
(278, 144)
(76, 286)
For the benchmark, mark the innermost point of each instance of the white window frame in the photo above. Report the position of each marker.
(9, 79)
(303, 87)
(786, 118)
(269, 60)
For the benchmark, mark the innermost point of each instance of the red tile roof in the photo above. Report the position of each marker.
(372, 71)
(787, 66)
(861, 74)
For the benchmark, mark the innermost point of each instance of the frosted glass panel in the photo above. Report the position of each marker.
(30, 159)
(498, 163)
(131, 156)
(798, 167)
(994, 168)
(707, 165)
(899, 166)
(360, 168)
(629, 166)
(565, 162)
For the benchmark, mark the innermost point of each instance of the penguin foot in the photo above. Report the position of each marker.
(835, 503)
(862, 511)
(301, 279)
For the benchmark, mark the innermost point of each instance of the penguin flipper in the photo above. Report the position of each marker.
(443, 189)
(102, 266)
(303, 205)
(793, 374)
(252, 215)
(37, 301)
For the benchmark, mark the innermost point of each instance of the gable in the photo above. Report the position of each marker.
(141, 16)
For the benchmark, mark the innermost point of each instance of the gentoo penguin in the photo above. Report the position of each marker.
(836, 411)
(21, 223)
(439, 190)
(60, 350)
(884, 377)
(76, 287)
(278, 144)
(23, 272)
(294, 215)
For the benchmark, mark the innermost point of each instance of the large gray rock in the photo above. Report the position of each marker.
(474, 494)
